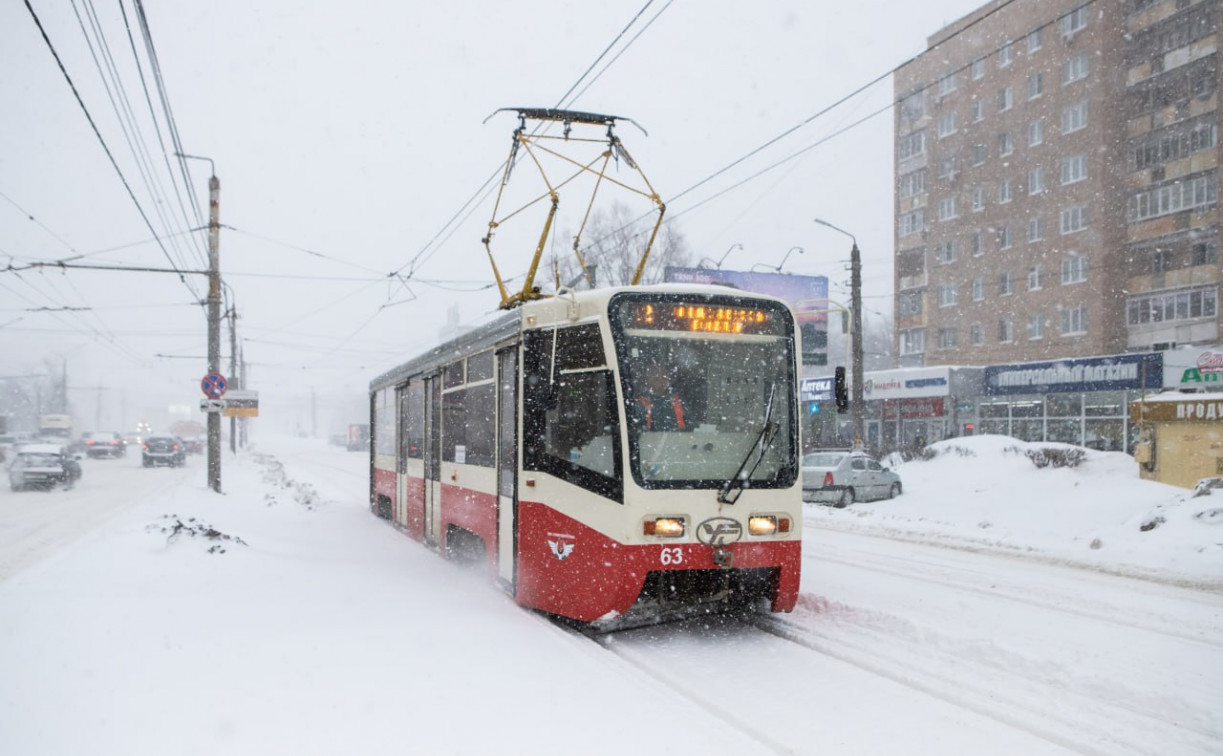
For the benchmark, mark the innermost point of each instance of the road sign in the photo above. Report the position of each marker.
(212, 405)
(214, 385)
(241, 403)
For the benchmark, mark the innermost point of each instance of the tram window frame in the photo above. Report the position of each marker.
(452, 375)
(544, 405)
(480, 367)
(414, 432)
(385, 411)
(478, 439)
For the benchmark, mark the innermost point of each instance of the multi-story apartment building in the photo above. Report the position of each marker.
(1057, 169)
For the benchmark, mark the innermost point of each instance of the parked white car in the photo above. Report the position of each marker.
(841, 477)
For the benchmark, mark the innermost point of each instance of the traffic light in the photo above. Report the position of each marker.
(840, 391)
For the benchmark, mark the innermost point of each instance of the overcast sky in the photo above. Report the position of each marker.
(348, 136)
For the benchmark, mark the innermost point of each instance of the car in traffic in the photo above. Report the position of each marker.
(43, 466)
(163, 449)
(841, 476)
(103, 444)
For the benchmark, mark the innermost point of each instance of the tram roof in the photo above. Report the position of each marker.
(507, 325)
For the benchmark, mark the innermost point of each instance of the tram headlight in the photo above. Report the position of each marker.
(762, 525)
(665, 527)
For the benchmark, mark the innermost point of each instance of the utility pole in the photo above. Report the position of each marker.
(233, 371)
(856, 392)
(855, 307)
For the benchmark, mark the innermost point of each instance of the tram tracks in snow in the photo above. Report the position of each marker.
(1081, 720)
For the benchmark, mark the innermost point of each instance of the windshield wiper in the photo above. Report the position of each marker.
(764, 441)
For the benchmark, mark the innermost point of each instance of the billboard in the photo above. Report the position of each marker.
(806, 295)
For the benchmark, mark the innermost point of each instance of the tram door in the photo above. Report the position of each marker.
(433, 456)
(507, 465)
(400, 515)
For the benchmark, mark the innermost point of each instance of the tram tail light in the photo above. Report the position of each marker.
(666, 527)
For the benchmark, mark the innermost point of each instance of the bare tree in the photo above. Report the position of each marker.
(612, 244)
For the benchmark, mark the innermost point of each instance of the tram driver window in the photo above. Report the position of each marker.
(570, 421)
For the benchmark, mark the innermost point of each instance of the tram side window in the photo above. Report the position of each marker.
(384, 424)
(571, 427)
(414, 432)
(468, 426)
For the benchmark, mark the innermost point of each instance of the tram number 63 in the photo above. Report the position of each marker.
(672, 555)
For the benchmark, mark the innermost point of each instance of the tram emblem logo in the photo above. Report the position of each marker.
(719, 531)
(561, 545)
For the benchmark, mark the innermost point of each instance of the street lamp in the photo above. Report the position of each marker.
(783, 260)
(855, 308)
(719, 262)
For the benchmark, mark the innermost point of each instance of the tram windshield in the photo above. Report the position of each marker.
(704, 381)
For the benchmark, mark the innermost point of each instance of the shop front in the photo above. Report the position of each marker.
(1076, 401)
(912, 407)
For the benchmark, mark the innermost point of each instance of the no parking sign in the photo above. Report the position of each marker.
(214, 385)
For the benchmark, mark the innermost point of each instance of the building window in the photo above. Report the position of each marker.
(1036, 229)
(978, 199)
(1074, 69)
(1036, 85)
(1006, 191)
(1074, 269)
(1036, 329)
(978, 154)
(1034, 278)
(977, 334)
(1036, 181)
(1006, 144)
(946, 252)
(949, 208)
(977, 70)
(946, 295)
(1182, 194)
(910, 303)
(1034, 40)
(1074, 320)
(978, 110)
(946, 85)
(978, 243)
(912, 183)
(1074, 169)
(913, 107)
(1006, 98)
(1205, 253)
(1173, 306)
(947, 168)
(948, 338)
(946, 124)
(913, 341)
(1161, 260)
(1176, 141)
(912, 223)
(1074, 117)
(912, 144)
(1036, 133)
(1005, 240)
(1006, 331)
(1073, 22)
(1074, 219)
(978, 289)
(1006, 284)
(1006, 55)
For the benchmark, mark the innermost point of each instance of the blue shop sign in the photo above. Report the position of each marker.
(1125, 371)
(815, 390)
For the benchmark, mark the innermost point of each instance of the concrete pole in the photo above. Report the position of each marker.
(233, 371)
(214, 325)
(856, 391)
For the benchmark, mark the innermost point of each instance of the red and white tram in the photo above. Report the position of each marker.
(537, 444)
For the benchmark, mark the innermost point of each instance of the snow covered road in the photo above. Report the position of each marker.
(329, 632)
